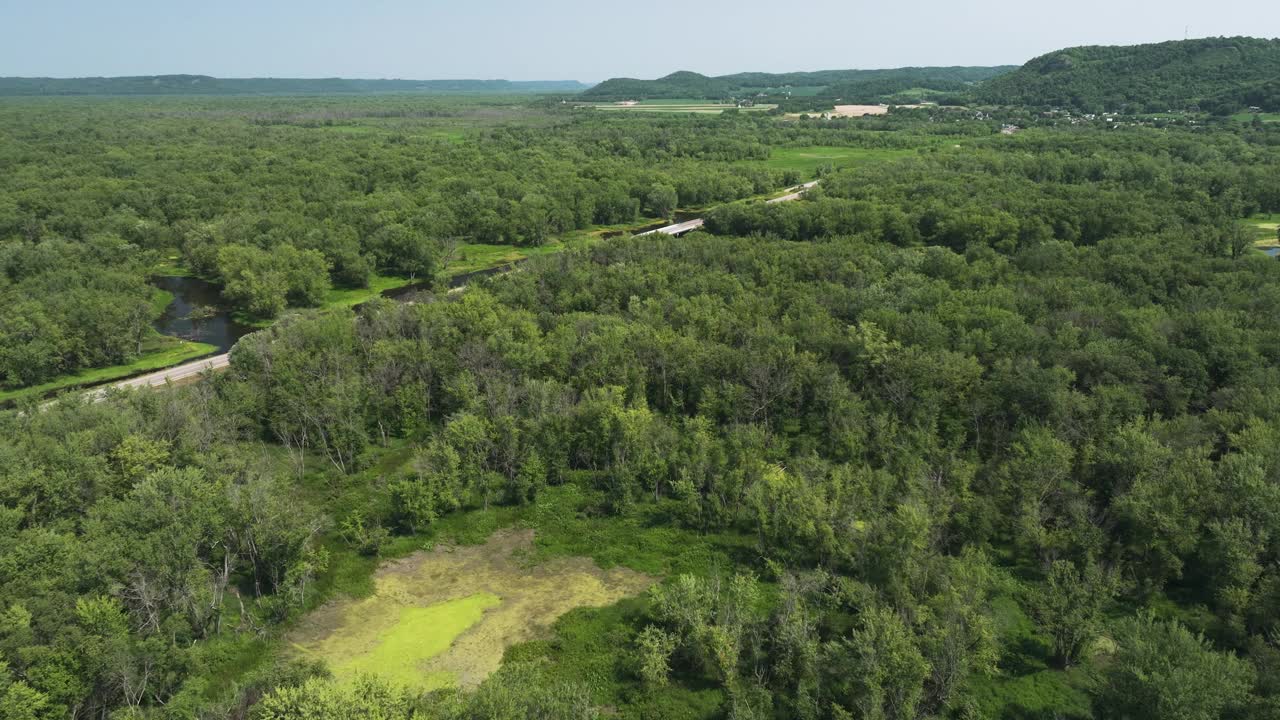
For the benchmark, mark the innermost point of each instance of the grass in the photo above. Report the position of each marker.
(1247, 117)
(1265, 229)
(419, 634)
(160, 300)
(350, 297)
(470, 257)
(807, 159)
(172, 266)
(1026, 686)
(158, 352)
(410, 630)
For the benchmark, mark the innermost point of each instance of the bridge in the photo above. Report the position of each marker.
(688, 226)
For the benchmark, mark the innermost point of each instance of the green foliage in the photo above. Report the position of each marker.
(1161, 670)
(264, 283)
(877, 446)
(1221, 75)
(1070, 606)
(851, 85)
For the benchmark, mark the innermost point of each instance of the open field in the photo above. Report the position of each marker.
(1265, 228)
(808, 159)
(349, 297)
(1248, 117)
(444, 618)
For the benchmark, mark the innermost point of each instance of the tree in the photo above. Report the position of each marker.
(653, 655)
(252, 281)
(1069, 607)
(403, 249)
(661, 201)
(878, 671)
(323, 699)
(1161, 670)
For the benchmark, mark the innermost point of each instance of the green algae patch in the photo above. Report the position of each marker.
(444, 618)
(420, 634)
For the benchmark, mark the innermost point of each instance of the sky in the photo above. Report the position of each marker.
(588, 40)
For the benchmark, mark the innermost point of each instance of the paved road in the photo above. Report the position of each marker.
(795, 195)
(690, 225)
(218, 362)
(160, 378)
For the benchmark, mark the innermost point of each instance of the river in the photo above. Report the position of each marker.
(214, 325)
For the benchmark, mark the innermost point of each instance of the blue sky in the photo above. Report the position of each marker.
(586, 40)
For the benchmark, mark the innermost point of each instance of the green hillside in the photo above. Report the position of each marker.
(852, 85)
(1220, 75)
(205, 85)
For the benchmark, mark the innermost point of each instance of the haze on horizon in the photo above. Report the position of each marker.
(576, 39)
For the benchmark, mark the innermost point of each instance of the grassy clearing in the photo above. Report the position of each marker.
(158, 352)
(446, 617)
(419, 634)
(806, 160)
(1247, 117)
(349, 297)
(470, 257)
(1265, 228)
(172, 266)
(1025, 685)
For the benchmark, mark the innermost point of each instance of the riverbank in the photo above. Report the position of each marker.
(158, 352)
(465, 260)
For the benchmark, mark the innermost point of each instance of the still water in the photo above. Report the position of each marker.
(211, 323)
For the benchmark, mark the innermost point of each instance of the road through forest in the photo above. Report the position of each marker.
(197, 367)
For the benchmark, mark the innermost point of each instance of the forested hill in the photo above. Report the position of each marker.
(205, 85)
(852, 85)
(1220, 75)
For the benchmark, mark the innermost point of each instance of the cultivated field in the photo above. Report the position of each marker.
(444, 618)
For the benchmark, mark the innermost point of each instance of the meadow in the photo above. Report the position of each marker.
(444, 617)
(808, 159)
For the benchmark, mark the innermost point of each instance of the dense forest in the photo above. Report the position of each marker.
(206, 85)
(278, 200)
(987, 429)
(1215, 75)
(1219, 75)
(848, 85)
